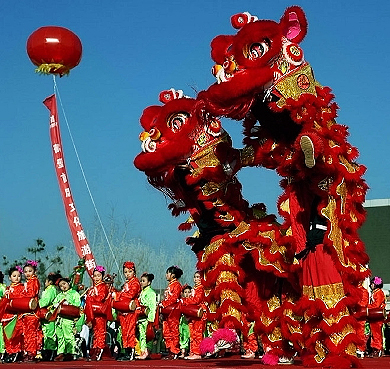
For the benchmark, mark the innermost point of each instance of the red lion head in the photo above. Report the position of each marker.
(249, 63)
(172, 133)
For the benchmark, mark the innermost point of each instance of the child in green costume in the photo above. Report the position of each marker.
(148, 299)
(48, 328)
(183, 326)
(66, 327)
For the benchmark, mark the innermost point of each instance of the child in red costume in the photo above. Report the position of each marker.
(32, 333)
(97, 294)
(377, 301)
(128, 321)
(171, 323)
(14, 344)
(361, 322)
(197, 326)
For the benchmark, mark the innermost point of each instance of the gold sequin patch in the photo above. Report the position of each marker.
(247, 155)
(275, 335)
(273, 303)
(330, 294)
(233, 312)
(226, 276)
(230, 295)
(336, 338)
(226, 259)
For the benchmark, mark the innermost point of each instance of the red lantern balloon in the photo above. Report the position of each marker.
(54, 50)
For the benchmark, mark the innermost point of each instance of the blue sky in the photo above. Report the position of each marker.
(132, 51)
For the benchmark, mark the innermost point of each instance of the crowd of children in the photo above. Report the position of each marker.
(104, 322)
(46, 326)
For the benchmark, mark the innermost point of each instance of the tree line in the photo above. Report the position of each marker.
(110, 250)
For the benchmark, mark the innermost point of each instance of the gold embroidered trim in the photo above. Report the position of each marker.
(336, 338)
(233, 312)
(334, 319)
(242, 228)
(273, 303)
(204, 151)
(275, 335)
(325, 183)
(274, 245)
(211, 187)
(210, 249)
(226, 259)
(227, 217)
(226, 276)
(265, 320)
(301, 81)
(262, 259)
(330, 294)
(351, 167)
(335, 234)
(343, 192)
(230, 295)
(321, 352)
(351, 349)
(285, 206)
(294, 329)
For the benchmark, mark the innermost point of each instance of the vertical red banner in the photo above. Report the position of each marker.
(80, 241)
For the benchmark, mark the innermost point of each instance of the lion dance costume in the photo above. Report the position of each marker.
(298, 281)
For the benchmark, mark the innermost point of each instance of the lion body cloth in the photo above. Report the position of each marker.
(297, 281)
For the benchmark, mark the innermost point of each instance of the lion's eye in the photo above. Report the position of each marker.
(258, 49)
(176, 121)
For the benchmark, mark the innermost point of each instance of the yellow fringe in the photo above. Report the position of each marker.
(52, 68)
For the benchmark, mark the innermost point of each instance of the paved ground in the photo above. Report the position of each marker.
(222, 363)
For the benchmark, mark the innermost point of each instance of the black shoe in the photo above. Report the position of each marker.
(11, 358)
(171, 356)
(126, 356)
(52, 355)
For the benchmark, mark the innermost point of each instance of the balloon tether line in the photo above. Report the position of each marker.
(57, 92)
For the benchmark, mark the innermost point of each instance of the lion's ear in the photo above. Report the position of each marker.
(294, 24)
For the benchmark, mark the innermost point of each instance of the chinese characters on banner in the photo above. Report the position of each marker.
(79, 238)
